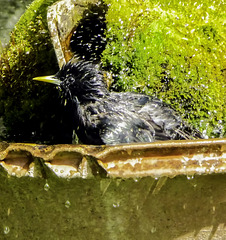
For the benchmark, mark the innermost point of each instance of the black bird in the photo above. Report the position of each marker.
(104, 117)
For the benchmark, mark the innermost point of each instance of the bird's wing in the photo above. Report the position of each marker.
(165, 120)
(126, 118)
(124, 127)
(169, 120)
(113, 124)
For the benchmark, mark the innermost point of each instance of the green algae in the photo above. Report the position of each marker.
(105, 208)
(26, 107)
(172, 50)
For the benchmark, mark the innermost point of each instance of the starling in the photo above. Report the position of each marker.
(104, 117)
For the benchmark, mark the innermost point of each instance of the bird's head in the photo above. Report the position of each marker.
(81, 79)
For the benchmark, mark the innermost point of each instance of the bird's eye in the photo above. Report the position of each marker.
(71, 83)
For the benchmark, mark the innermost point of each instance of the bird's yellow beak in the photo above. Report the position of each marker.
(48, 79)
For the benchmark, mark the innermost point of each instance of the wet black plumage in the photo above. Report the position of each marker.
(104, 117)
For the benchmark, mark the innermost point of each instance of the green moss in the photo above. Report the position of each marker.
(172, 50)
(29, 113)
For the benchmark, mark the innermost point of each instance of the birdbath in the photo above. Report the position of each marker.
(160, 190)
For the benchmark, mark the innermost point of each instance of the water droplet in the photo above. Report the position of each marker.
(6, 230)
(190, 177)
(46, 187)
(136, 179)
(115, 205)
(67, 204)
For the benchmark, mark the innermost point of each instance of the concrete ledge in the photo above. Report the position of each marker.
(158, 159)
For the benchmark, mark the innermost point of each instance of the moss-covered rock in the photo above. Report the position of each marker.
(30, 111)
(173, 50)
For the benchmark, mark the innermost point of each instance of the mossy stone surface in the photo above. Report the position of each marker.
(31, 112)
(173, 50)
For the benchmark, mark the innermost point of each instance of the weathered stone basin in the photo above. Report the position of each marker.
(164, 190)
(63, 18)
(158, 159)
